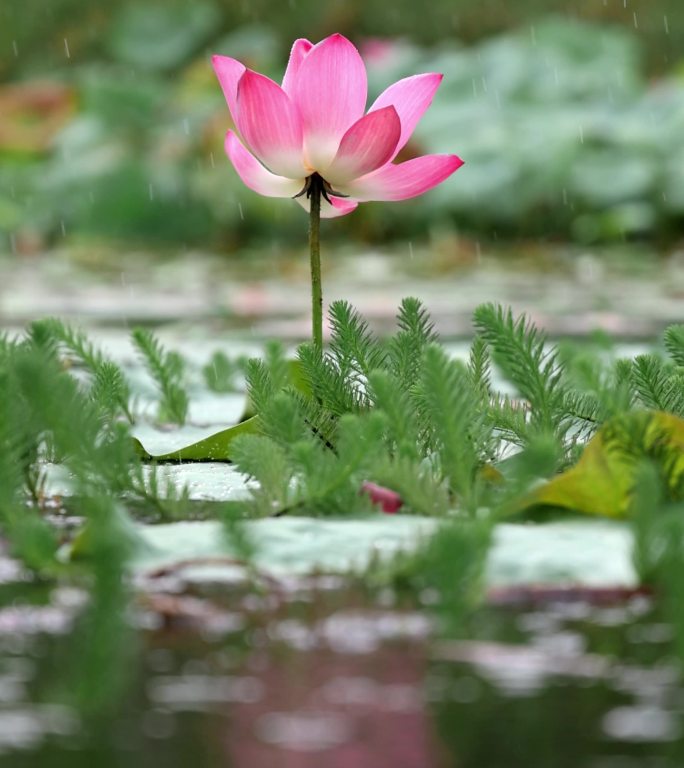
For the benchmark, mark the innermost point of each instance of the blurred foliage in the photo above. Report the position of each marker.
(168, 29)
(113, 123)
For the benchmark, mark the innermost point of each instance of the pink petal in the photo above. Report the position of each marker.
(255, 176)
(341, 206)
(390, 501)
(229, 71)
(330, 92)
(299, 50)
(367, 145)
(269, 123)
(403, 180)
(410, 97)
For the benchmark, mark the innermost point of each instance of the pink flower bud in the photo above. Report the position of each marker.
(390, 501)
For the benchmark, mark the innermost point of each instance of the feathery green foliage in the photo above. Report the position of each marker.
(674, 343)
(52, 407)
(109, 381)
(458, 427)
(480, 369)
(355, 351)
(406, 347)
(110, 390)
(420, 484)
(30, 538)
(167, 370)
(338, 389)
(436, 430)
(525, 358)
(567, 398)
(47, 413)
(401, 414)
(397, 404)
(162, 499)
(658, 527)
(264, 460)
(355, 419)
(658, 385)
(449, 565)
(265, 377)
(221, 372)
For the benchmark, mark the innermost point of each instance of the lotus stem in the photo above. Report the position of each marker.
(314, 194)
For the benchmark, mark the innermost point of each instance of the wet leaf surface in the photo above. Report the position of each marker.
(215, 447)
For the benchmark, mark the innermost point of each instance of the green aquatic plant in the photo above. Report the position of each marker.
(221, 373)
(109, 383)
(423, 424)
(337, 430)
(168, 370)
(658, 528)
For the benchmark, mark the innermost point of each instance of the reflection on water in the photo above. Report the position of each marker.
(327, 676)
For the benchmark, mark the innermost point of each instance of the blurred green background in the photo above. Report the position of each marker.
(570, 116)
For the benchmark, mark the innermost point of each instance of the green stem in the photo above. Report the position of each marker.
(314, 193)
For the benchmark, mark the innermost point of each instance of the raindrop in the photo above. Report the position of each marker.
(581, 134)
(62, 227)
(625, 3)
(186, 125)
(211, 160)
(242, 213)
(666, 25)
(484, 84)
(410, 245)
(15, 48)
(66, 49)
(636, 23)
(150, 191)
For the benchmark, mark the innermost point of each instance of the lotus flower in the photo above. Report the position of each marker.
(313, 127)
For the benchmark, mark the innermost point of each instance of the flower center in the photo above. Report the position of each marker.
(316, 182)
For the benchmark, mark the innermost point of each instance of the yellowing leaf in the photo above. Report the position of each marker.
(601, 482)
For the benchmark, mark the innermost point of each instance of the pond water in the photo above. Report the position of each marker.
(322, 672)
